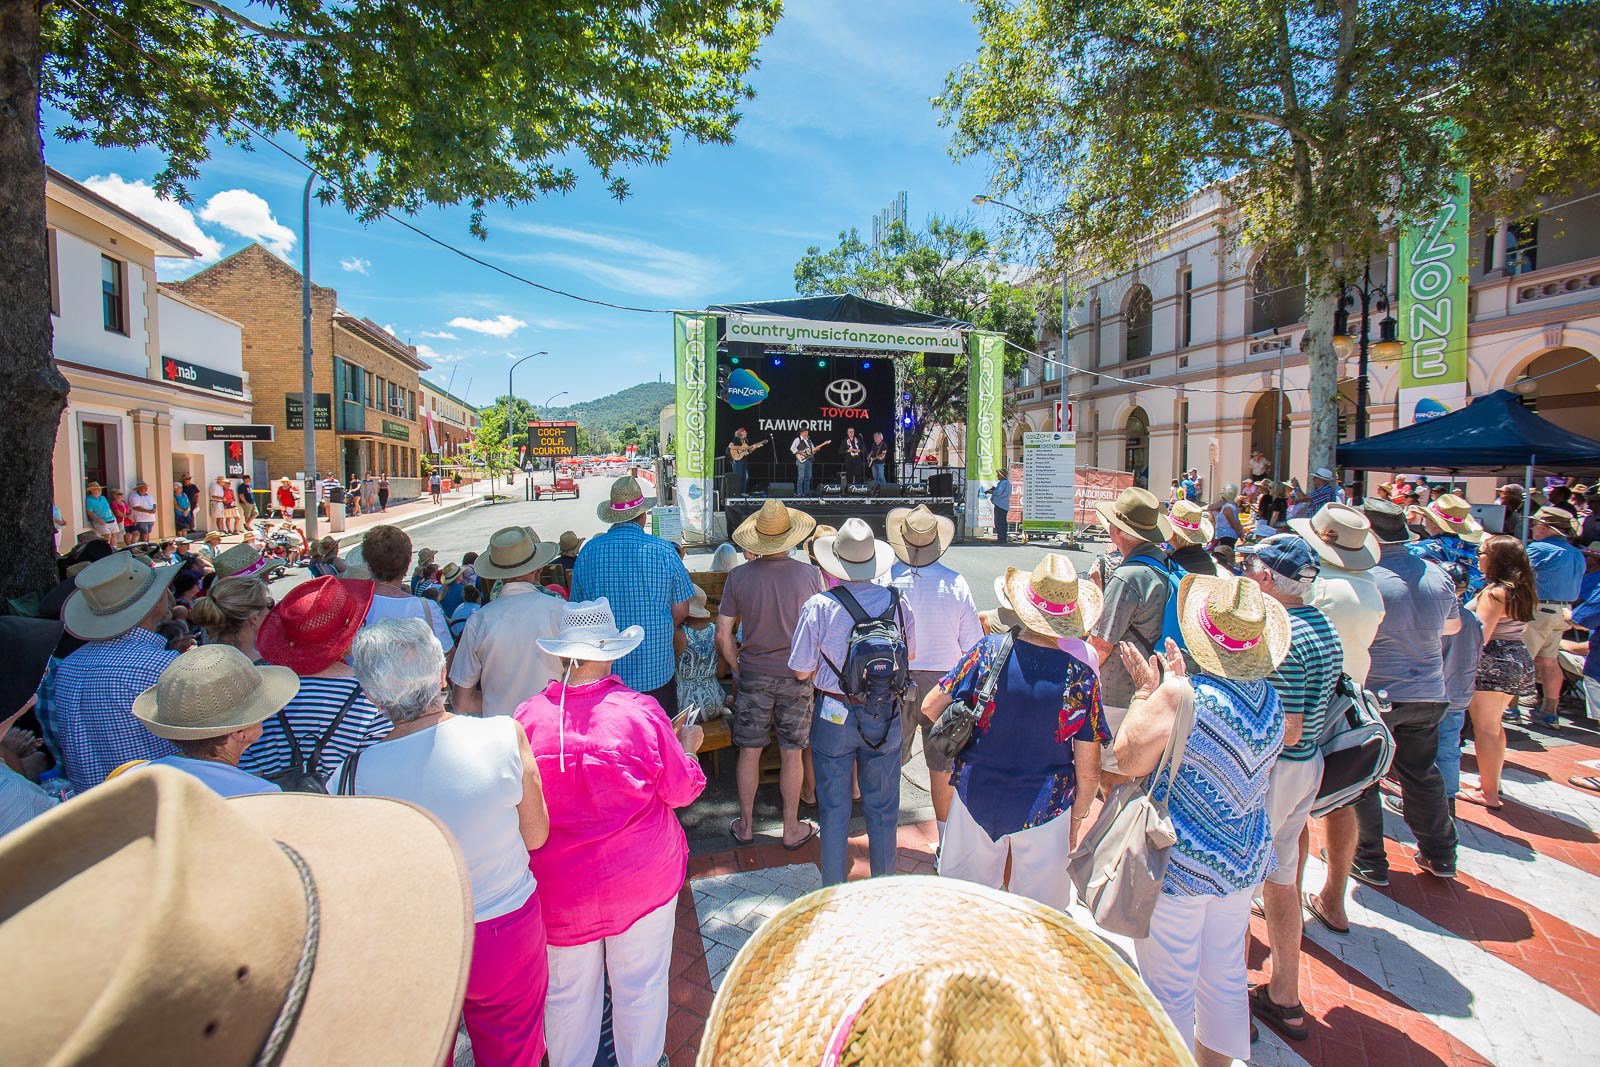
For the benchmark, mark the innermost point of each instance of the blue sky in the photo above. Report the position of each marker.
(842, 121)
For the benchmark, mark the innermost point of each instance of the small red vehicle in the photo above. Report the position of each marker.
(563, 485)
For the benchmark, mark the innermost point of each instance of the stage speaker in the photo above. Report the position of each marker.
(890, 489)
(942, 485)
(780, 490)
(830, 489)
(939, 360)
(860, 490)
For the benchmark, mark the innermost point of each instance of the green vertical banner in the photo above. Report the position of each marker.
(986, 354)
(1433, 310)
(695, 344)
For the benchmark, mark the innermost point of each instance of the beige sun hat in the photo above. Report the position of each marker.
(853, 554)
(1138, 513)
(1453, 515)
(867, 973)
(918, 536)
(1051, 600)
(211, 691)
(113, 594)
(449, 573)
(217, 931)
(1558, 519)
(697, 604)
(775, 528)
(242, 560)
(1190, 525)
(627, 501)
(1341, 535)
(1230, 628)
(570, 543)
(514, 551)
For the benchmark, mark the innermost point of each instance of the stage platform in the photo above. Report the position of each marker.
(833, 510)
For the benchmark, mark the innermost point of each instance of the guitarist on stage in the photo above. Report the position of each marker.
(803, 451)
(878, 455)
(738, 451)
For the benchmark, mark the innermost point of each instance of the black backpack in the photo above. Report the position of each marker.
(877, 666)
(301, 775)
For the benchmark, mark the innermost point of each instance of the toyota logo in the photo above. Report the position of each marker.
(846, 393)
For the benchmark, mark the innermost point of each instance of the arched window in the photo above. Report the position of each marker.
(1139, 329)
(1278, 292)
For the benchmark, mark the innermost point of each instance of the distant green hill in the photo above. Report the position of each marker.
(639, 404)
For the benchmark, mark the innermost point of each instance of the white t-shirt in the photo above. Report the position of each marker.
(144, 507)
(498, 648)
(947, 618)
(226, 779)
(467, 772)
(411, 607)
(1354, 605)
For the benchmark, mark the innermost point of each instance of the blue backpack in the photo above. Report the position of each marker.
(877, 666)
(1169, 619)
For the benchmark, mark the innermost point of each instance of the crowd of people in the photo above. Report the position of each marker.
(543, 702)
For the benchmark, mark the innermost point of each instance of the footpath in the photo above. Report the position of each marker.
(403, 514)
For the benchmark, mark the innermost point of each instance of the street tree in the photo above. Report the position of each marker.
(397, 106)
(951, 268)
(1324, 122)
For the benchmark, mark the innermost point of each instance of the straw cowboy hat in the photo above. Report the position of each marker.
(1454, 515)
(514, 551)
(93, 485)
(1230, 628)
(113, 594)
(1051, 600)
(589, 632)
(1341, 535)
(627, 501)
(313, 625)
(570, 543)
(872, 972)
(449, 573)
(426, 556)
(853, 554)
(213, 536)
(1190, 525)
(212, 691)
(1558, 519)
(1388, 521)
(918, 536)
(1137, 513)
(232, 931)
(240, 561)
(775, 528)
(697, 604)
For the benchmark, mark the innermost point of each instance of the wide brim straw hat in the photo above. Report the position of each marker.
(449, 573)
(1138, 513)
(1230, 628)
(917, 536)
(113, 594)
(1452, 514)
(589, 632)
(514, 551)
(211, 691)
(1052, 600)
(218, 931)
(1190, 525)
(872, 972)
(312, 627)
(240, 561)
(626, 501)
(29, 644)
(775, 528)
(1342, 536)
(853, 554)
(697, 604)
(213, 537)
(570, 542)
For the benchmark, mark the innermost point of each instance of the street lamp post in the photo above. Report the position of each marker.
(308, 398)
(1372, 296)
(511, 395)
(547, 404)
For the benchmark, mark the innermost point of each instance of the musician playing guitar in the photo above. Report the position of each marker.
(878, 455)
(803, 451)
(738, 449)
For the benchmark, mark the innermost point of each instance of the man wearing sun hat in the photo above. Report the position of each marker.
(1558, 568)
(498, 663)
(1453, 536)
(645, 582)
(763, 599)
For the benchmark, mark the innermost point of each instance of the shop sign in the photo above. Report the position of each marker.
(398, 430)
(238, 433)
(198, 377)
(233, 456)
(294, 415)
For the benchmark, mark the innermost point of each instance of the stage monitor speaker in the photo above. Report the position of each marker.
(830, 489)
(780, 490)
(890, 489)
(942, 485)
(863, 489)
(939, 360)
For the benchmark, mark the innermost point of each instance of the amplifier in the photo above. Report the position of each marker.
(918, 489)
(780, 490)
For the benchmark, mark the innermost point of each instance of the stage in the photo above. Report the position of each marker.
(833, 510)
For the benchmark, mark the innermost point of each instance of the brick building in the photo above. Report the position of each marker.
(368, 393)
(454, 420)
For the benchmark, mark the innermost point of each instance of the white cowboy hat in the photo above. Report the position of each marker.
(1341, 535)
(775, 528)
(918, 536)
(212, 691)
(589, 632)
(1050, 600)
(853, 554)
(113, 594)
(627, 501)
(514, 551)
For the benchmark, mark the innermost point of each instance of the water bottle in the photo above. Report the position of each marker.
(57, 786)
(1384, 704)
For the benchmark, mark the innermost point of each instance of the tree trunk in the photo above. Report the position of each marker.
(32, 391)
(1323, 367)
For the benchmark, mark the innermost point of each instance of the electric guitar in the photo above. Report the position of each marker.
(737, 451)
(805, 454)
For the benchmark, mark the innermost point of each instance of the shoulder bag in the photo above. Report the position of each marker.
(1121, 862)
(950, 735)
(1356, 745)
(301, 775)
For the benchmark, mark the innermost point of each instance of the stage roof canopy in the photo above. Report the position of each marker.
(1494, 434)
(841, 307)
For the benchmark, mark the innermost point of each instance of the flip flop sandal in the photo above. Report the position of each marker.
(811, 833)
(1583, 781)
(1311, 905)
(1277, 1015)
(737, 840)
(1475, 797)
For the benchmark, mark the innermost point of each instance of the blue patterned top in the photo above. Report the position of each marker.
(1219, 801)
(1448, 548)
(1017, 772)
(642, 577)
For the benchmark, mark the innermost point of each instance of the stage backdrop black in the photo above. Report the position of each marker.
(777, 395)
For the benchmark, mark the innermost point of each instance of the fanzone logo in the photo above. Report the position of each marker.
(845, 393)
(746, 389)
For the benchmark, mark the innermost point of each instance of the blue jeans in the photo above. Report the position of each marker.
(877, 475)
(1449, 758)
(803, 483)
(836, 750)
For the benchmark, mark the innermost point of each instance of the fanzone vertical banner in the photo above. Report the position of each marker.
(1433, 311)
(985, 399)
(695, 341)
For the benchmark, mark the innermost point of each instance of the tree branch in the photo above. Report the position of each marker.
(243, 22)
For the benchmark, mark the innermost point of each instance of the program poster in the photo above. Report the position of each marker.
(1433, 311)
(1049, 472)
(695, 345)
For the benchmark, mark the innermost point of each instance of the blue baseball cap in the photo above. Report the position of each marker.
(1290, 556)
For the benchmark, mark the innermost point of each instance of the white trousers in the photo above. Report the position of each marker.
(1038, 856)
(1193, 961)
(636, 961)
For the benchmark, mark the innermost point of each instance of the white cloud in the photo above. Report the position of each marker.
(388, 328)
(641, 266)
(432, 358)
(501, 325)
(174, 218)
(247, 215)
(355, 264)
(439, 335)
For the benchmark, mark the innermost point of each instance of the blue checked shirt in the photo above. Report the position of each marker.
(93, 713)
(642, 576)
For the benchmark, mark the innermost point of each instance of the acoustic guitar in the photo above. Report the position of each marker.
(805, 454)
(737, 451)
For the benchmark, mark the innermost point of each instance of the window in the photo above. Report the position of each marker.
(1139, 317)
(1183, 437)
(1052, 371)
(1278, 298)
(55, 274)
(1094, 332)
(1522, 246)
(98, 439)
(368, 396)
(1186, 319)
(113, 296)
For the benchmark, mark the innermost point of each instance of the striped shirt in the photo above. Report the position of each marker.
(92, 705)
(1306, 678)
(642, 578)
(310, 712)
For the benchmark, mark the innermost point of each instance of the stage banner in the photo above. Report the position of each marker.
(1095, 486)
(1433, 311)
(1049, 463)
(985, 412)
(769, 329)
(695, 342)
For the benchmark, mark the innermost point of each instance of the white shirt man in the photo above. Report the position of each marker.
(143, 506)
(497, 650)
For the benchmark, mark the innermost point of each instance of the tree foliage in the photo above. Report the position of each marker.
(1323, 121)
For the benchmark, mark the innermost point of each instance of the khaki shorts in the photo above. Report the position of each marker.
(769, 705)
(1291, 791)
(1114, 717)
(912, 722)
(1543, 635)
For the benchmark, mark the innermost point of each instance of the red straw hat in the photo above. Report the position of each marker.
(314, 625)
